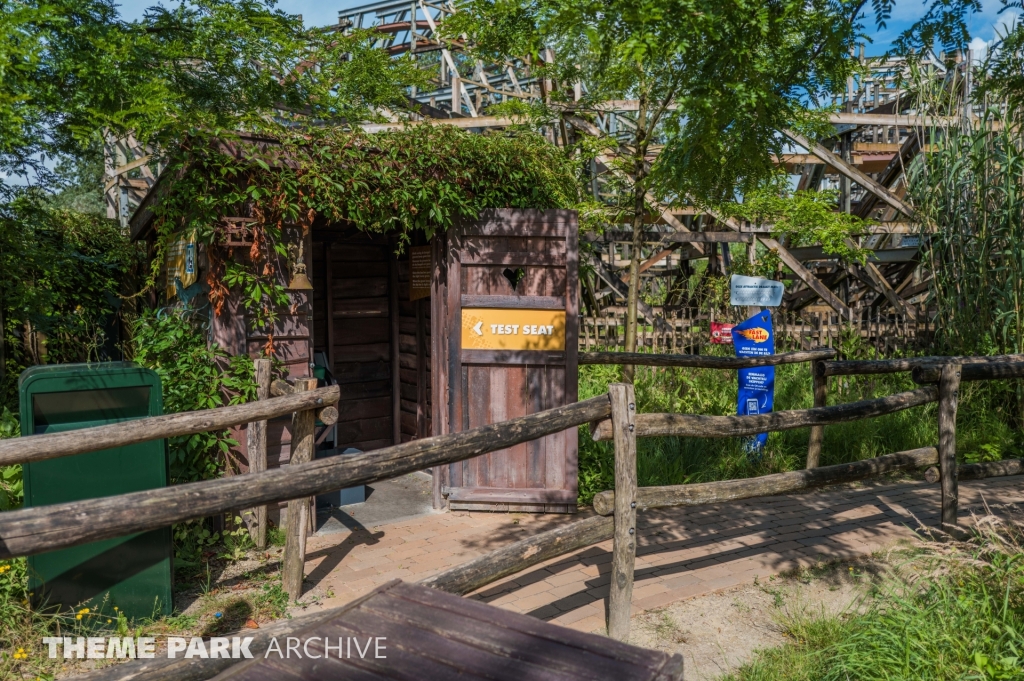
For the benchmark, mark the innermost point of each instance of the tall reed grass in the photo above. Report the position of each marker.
(969, 191)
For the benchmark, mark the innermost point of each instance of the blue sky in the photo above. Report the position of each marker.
(320, 13)
(983, 25)
(314, 12)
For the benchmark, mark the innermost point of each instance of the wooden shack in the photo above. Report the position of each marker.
(475, 326)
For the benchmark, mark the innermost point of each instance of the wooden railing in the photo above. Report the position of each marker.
(704, 361)
(612, 416)
(825, 368)
(30, 531)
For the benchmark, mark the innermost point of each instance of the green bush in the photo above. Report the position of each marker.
(59, 294)
(194, 375)
(11, 492)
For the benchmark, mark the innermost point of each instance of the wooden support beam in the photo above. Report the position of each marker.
(817, 435)
(884, 288)
(646, 311)
(899, 120)
(606, 160)
(882, 283)
(711, 237)
(661, 238)
(853, 173)
(949, 393)
(808, 278)
(256, 446)
(303, 423)
(658, 257)
(620, 595)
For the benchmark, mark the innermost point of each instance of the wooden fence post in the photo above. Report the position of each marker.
(303, 423)
(949, 393)
(256, 441)
(620, 594)
(820, 384)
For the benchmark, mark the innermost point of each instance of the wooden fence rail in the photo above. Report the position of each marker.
(893, 366)
(626, 500)
(692, 425)
(704, 361)
(34, 530)
(932, 373)
(929, 365)
(769, 485)
(52, 446)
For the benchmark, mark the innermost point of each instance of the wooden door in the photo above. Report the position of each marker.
(505, 343)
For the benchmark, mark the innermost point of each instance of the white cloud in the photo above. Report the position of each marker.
(979, 49)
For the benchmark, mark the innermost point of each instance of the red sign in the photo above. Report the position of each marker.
(721, 333)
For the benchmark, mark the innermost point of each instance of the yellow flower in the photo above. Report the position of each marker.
(78, 617)
(108, 621)
(115, 607)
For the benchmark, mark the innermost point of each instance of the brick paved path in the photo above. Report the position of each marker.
(681, 553)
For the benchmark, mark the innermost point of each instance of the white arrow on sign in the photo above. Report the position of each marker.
(479, 328)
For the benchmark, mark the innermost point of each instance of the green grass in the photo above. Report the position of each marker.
(984, 425)
(951, 615)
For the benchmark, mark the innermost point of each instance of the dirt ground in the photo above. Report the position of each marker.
(719, 632)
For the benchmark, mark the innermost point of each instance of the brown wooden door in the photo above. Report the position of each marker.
(505, 346)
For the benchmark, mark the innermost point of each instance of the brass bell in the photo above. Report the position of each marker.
(300, 282)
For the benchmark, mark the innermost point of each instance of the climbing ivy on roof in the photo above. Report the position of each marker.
(419, 177)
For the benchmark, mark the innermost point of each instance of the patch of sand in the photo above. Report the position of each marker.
(718, 633)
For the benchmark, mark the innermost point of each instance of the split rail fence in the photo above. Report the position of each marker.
(612, 416)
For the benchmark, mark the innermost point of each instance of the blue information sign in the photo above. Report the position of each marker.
(756, 394)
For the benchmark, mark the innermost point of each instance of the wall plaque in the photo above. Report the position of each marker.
(419, 272)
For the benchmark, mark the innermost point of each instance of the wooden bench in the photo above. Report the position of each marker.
(428, 634)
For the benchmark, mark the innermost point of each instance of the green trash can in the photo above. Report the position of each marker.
(133, 573)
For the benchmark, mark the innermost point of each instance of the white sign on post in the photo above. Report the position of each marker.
(755, 291)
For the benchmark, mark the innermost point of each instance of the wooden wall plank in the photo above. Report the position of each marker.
(393, 312)
(516, 404)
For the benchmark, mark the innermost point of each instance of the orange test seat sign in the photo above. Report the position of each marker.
(513, 329)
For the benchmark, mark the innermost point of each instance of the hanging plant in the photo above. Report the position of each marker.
(423, 177)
